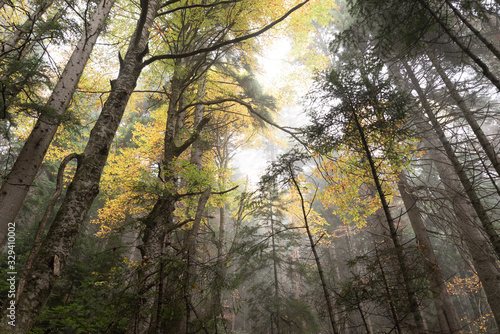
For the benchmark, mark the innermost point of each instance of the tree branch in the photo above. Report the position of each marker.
(228, 42)
(197, 6)
(212, 192)
(252, 111)
(178, 150)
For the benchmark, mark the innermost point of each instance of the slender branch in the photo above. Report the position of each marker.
(212, 192)
(228, 42)
(179, 225)
(252, 111)
(197, 6)
(178, 150)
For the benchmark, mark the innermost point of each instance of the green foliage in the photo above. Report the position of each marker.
(393, 26)
(377, 283)
(20, 80)
(93, 295)
(359, 89)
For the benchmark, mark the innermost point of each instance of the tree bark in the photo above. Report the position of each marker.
(17, 184)
(41, 227)
(65, 228)
(457, 166)
(468, 115)
(479, 248)
(447, 316)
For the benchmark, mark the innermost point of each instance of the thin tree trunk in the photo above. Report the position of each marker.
(276, 282)
(16, 185)
(24, 30)
(483, 258)
(41, 228)
(447, 316)
(485, 69)
(65, 228)
(315, 253)
(414, 308)
(468, 115)
(476, 32)
(457, 166)
(394, 314)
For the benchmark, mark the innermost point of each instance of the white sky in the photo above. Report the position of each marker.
(251, 162)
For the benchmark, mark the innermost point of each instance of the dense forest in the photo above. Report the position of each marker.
(163, 172)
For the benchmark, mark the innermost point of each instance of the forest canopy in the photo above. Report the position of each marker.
(133, 197)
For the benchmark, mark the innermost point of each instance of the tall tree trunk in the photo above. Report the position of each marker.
(414, 308)
(16, 185)
(277, 314)
(447, 316)
(326, 292)
(65, 228)
(476, 32)
(485, 69)
(468, 115)
(159, 223)
(483, 258)
(457, 166)
(394, 314)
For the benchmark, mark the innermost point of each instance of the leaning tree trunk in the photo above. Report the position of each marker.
(483, 257)
(457, 166)
(468, 115)
(446, 313)
(16, 185)
(65, 228)
(482, 65)
(476, 32)
(412, 299)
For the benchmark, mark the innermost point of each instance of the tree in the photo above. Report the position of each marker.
(64, 230)
(368, 107)
(16, 185)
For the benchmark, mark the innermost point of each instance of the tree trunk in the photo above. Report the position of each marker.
(65, 228)
(414, 308)
(457, 166)
(326, 292)
(277, 315)
(476, 32)
(16, 185)
(468, 115)
(485, 69)
(447, 316)
(483, 258)
(159, 223)
(24, 30)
